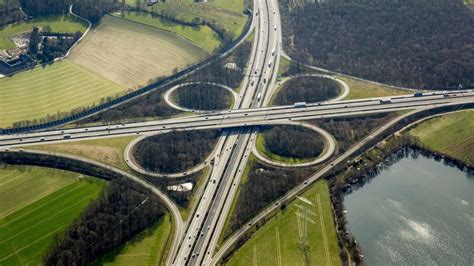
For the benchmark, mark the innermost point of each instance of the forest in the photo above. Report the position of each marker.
(424, 44)
(10, 12)
(90, 9)
(293, 141)
(202, 97)
(176, 151)
(307, 89)
(121, 212)
(264, 185)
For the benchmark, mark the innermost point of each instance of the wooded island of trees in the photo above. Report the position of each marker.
(293, 141)
(307, 89)
(203, 97)
(176, 151)
(420, 44)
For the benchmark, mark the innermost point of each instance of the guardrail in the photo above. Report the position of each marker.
(127, 97)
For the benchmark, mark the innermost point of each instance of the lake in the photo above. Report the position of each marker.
(418, 212)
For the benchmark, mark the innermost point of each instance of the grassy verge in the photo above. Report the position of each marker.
(236, 6)
(109, 151)
(28, 232)
(188, 10)
(147, 248)
(193, 198)
(202, 36)
(62, 24)
(284, 66)
(243, 181)
(361, 89)
(278, 242)
(451, 134)
(61, 87)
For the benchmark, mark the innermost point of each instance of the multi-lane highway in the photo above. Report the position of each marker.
(201, 231)
(240, 118)
(195, 241)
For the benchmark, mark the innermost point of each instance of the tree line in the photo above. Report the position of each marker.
(307, 89)
(264, 185)
(203, 97)
(425, 44)
(45, 7)
(121, 212)
(349, 130)
(176, 151)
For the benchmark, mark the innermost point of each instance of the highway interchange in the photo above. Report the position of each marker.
(195, 241)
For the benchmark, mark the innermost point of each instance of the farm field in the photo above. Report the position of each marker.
(130, 54)
(20, 186)
(203, 36)
(28, 230)
(108, 151)
(186, 10)
(451, 134)
(148, 248)
(360, 90)
(61, 24)
(277, 242)
(60, 87)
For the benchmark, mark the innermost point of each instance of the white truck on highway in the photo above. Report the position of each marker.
(259, 96)
(385, 100)
(300, 104)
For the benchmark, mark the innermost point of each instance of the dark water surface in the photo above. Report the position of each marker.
(416, 212)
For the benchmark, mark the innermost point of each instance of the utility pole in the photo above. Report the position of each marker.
(303, 214)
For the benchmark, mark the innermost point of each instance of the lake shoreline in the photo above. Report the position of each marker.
(403, 147)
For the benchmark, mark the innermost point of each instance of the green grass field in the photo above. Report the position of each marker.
(360, 90)
(236, 6)
(60, 87)
(20, 186)
(203, 36)
(57, 23)
(148, 248)
(108, 151)
(186, 10)
(451, 134)
(277, 242)
(28, 231)
(284, 66)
